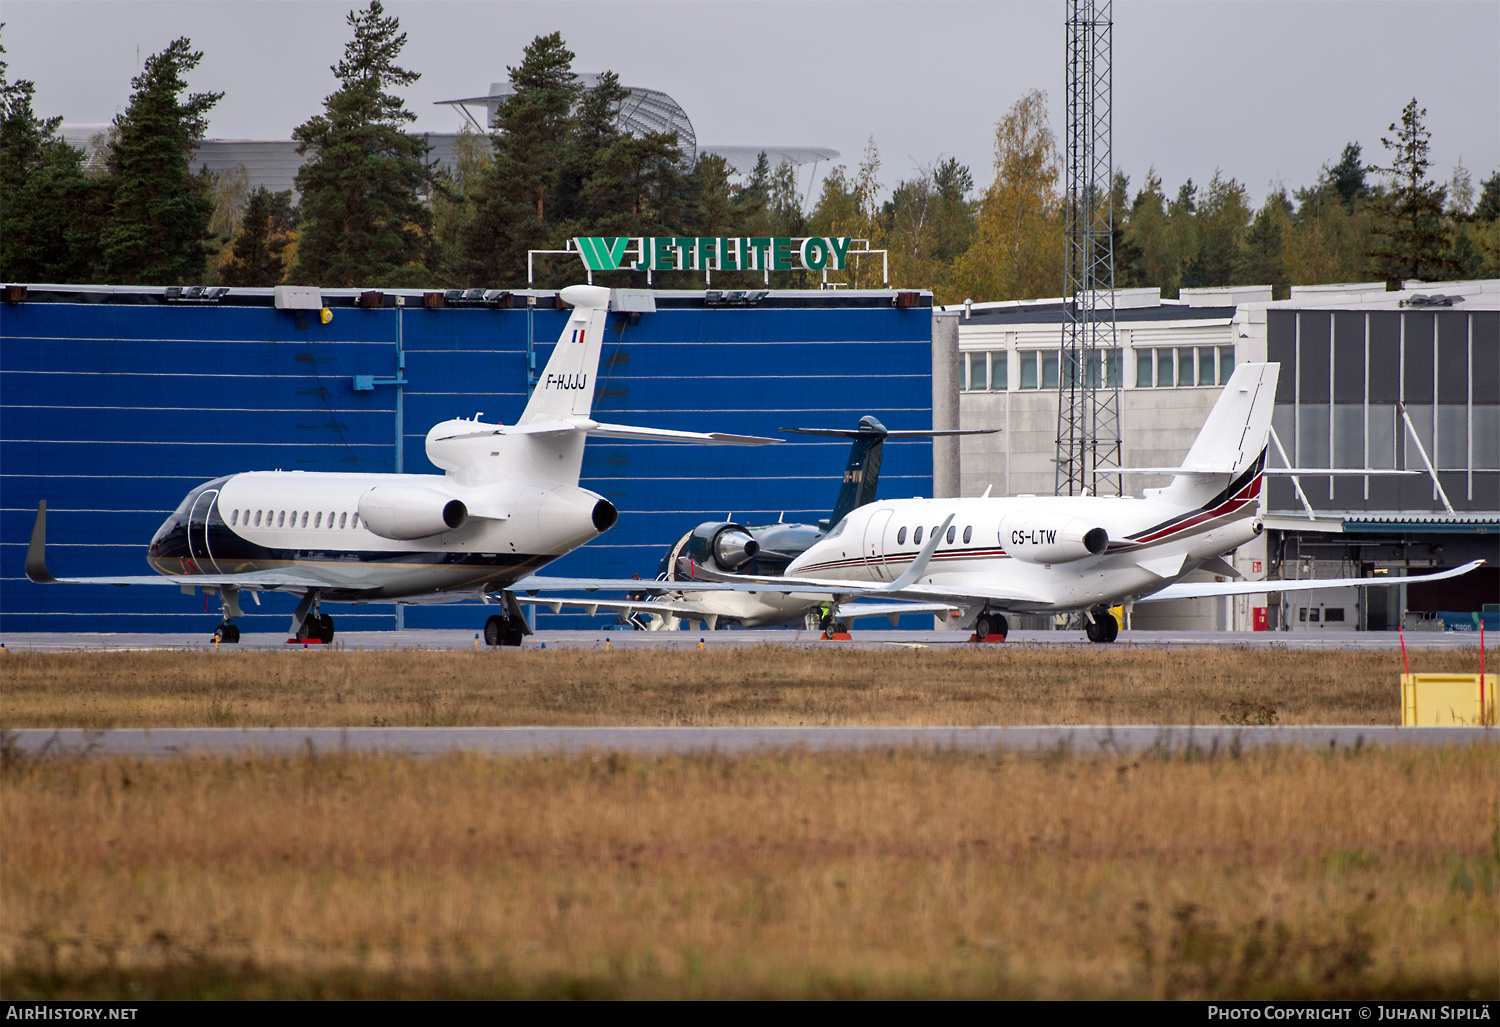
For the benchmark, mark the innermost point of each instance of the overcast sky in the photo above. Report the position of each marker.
(1265, 91)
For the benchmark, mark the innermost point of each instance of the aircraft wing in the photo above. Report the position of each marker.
(1205, 589)
(36, 570)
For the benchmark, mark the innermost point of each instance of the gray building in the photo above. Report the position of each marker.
(1405, 380)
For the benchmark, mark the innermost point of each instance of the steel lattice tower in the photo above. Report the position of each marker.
(1090, 368)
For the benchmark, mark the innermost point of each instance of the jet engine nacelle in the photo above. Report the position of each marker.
(409, 511)
(721, 545)
(1038, 537)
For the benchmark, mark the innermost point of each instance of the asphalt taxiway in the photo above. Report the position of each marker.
(595, 639)
(522, 741)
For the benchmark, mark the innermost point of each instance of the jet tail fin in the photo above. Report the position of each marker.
(565, 388)
(862, 471)
(1233, 439)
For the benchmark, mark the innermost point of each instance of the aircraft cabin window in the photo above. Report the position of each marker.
(916, 536)
(342, 518)
(901, 537)
(234, 518)
(281, 519)
(935, 528)
(330, 519)
(968, 533)
(354, 523)
(257, 518)
(952, 531)
(304, 518)
(318, 520)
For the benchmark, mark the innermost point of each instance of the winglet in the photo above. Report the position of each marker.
(36, 552)
(919, 565)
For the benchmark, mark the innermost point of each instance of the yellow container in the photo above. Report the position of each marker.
(1448, 700)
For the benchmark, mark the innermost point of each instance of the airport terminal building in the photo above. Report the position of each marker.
(1405, 380)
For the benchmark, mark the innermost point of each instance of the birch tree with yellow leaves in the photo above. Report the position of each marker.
(1018, 248)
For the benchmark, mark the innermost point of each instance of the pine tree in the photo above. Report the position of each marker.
(364, 219)
(594, 132)
(1262, 260)
(1413, 238)
(49, 210)
(266, 229)
(532, 134)
(1347, 177)
(1488, 207)
(161, 209)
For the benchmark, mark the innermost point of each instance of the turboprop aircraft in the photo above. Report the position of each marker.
(507, 503)
(1030, 554)
(730, 548)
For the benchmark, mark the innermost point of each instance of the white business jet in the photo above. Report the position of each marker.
(1030, 554)
(507, 503)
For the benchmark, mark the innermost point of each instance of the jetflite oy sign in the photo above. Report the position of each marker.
(672, 253)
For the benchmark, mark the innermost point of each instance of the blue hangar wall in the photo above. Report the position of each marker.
(114, 403)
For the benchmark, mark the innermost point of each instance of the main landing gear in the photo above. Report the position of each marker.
(504, 631)
(316, 626)
(308, 623)
(226, 633)
(989, 623)
(1100, 626)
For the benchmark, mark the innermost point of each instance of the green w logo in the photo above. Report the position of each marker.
(602, 254)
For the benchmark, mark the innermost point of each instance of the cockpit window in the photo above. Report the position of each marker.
(838, 529)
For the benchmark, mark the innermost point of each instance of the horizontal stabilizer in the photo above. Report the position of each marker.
(856, 433)
(1289, 472)
(1208, 589)
(619, 431)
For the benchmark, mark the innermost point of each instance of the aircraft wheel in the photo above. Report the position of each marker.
(983, 628)
(515, 634)
(1102, 627)
(324, 629)
(226, 633)
(494, 628)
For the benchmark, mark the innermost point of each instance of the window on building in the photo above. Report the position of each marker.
(1226, 364)
(977, 370)
(1165, 368)
(1486, 437)
(1028, 369)
(1144, 373)
(1049, 369)
(1206, 365)
(1452, 437)
(1114, 369)
(1333, 613)
(999, 371)
(1185, 366)
(901, 537)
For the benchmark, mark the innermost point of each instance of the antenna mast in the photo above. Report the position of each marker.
(1090, 369)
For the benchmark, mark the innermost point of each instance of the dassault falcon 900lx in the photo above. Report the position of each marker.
(507, 503)
(1029, 554)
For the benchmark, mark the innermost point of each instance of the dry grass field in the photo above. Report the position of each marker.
(1008, 684)
(1273, 874)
